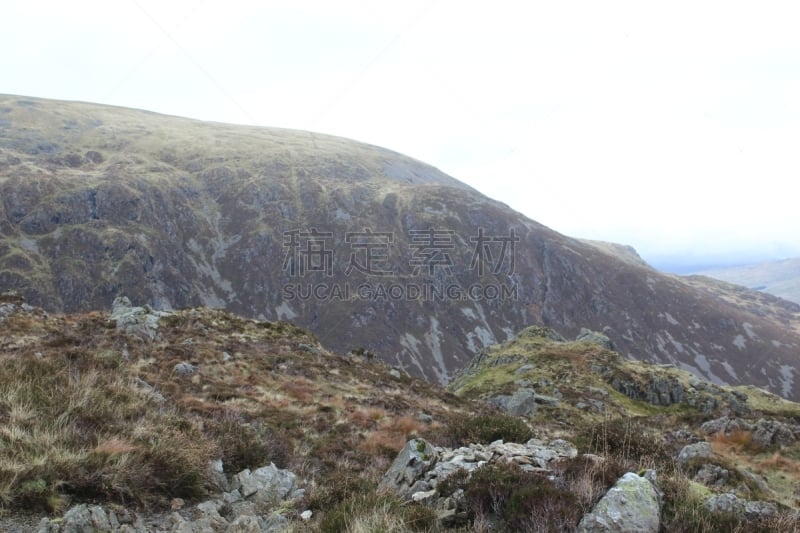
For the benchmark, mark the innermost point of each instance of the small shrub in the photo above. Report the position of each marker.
(627, 440)
(340, 485)
(523, 501)
(485, 428)
(684, 512)
(589, 479)
(243, 446)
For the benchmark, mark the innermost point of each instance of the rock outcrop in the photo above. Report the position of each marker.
(252, 505)
(420, 467)
(141, 322)
(632, 504)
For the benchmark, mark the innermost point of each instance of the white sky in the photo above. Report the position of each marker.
(671, 126)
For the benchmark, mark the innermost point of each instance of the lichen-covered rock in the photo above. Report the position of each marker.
(141, 322)
(730, 503)
(594, 337)
(543, 332)
(692, 451)
(712, 475)
(268, 484)
(416, 458)
(632, 504)
(522, 402)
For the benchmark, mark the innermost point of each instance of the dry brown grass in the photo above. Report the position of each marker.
(735, 442)
(77, 422)
(780, 462)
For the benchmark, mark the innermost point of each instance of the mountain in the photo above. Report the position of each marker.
(373, 251)
(781, 278)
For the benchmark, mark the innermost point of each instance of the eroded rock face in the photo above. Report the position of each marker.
(632, 504)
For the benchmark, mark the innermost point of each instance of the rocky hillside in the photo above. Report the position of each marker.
(372, 251)
(199, 420)
(780, 278)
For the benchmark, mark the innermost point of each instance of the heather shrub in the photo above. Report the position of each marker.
(485, 428)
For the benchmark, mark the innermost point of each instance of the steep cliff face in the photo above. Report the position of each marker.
(367, 248)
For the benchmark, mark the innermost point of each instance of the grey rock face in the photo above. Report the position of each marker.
(632, 504)
(522, 402)
(693, 451)
(418, 480)
(416, 458)
(730, 503)
(594, 337)
(712, 475)
(184, 369)
(139, 322)
(266, 484)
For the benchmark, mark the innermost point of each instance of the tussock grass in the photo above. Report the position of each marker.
(79, 422)
(70, 429)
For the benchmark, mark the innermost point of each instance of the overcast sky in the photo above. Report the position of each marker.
(671, 126)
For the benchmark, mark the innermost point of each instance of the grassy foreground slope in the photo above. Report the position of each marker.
(89, 412)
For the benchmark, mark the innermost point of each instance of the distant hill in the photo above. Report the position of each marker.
(781, 278)
(371, 250)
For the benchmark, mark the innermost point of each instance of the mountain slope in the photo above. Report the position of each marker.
(369, 249)
(781, 278)
(144, 418)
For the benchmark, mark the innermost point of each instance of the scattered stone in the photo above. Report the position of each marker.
(632, 504)
(712, 475)
(524, 368)
(149, 389)
(522, 403)
(184, 369)
(425, 418)
(416, 458)
(546, 400)
(424, 497)
(418, 470)
(226, 357)
(395, 373)
(725, 426)
(594, 337)
(217, 475)
(768, 432)
(266, 484)
(228, 512)
(730, 503)
(141, 322)
(692, 451)
(305, 516)
(244, 524)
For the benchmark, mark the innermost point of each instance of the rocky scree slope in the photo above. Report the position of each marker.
(97, 201)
